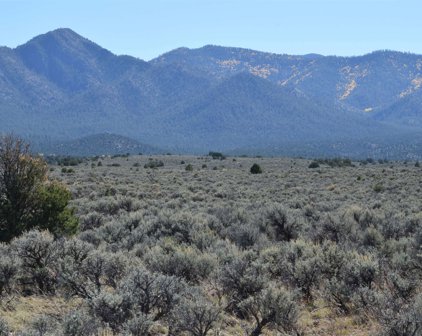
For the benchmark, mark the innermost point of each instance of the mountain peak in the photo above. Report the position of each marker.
(66, 35)
(62, 56)
(65, 32)
(64, 38)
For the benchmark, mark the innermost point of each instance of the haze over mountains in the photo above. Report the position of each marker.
(60, 86)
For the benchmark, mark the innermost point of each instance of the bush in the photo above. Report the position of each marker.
(274, 308)
(189, 167)
(78, 323)
(335, 229)
(67, 170)
(298, 264)
(256, 169)
(334, 162)
(138, 325)
(244, 235)
(27, 199)
(38, 252)
(154, 295)
(91, 221)
(281, 225)
(314, 164)
(68, 161)
(378, 187)
(216, 155)
(397, 317)
(86, 273)
(240, 278)
(196, 316)
(177, 226)
(358, 273)
(4, 328)
(180, 261)
(42, 325)
(154, 164)
(112, 309)
(9, 267)
(20, 177)
(53, 213)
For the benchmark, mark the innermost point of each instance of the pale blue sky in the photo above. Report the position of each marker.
(146, 29)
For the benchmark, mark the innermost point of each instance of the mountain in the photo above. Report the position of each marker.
(63, 87)
(405, 111)
(250, 110)
(365, 83)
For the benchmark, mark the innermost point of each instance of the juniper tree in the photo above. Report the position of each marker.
(27, 198)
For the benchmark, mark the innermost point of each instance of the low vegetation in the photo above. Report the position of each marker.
(256, 169)
(27, 198)
(216, 250)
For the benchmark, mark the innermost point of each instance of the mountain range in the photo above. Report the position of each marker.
(59, 87)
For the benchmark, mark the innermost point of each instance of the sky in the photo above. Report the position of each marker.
(149, 28)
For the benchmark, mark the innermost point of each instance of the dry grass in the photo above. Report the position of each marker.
(21, 311)
(320, 320)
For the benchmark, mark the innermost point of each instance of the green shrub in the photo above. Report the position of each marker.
(154, 164)
(256, 169)
(334, 162)
(216, 155)
(23, 186)
(313, 164)
(53, 213)
(378, 187)
(65, 170)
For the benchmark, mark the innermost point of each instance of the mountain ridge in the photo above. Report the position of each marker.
(97, 144)
(65, 86)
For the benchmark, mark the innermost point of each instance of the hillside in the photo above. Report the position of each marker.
(404, 111)
(97, 144)
(363, 83)
(63, 86)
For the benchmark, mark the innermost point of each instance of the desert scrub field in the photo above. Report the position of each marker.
(183, 245)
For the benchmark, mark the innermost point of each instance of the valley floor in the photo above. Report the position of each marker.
(304, 251)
